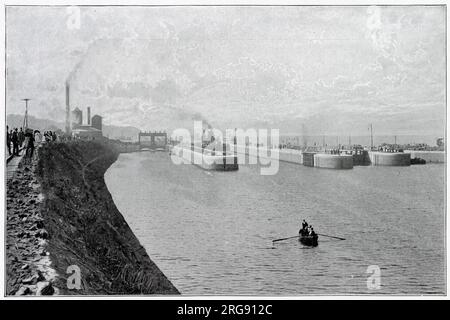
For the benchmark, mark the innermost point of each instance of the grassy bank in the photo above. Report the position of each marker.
(85, 228)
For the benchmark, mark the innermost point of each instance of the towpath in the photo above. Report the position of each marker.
(12, 165)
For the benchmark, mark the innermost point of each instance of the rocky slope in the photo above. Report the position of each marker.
(27, 259)
(82, 228)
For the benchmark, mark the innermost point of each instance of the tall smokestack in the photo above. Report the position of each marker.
(67, 108)
(88, 116)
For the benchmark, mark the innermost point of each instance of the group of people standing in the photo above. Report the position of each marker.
(50, 136)
(19, 139)
(14, 138)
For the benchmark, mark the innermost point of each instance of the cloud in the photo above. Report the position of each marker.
(280, 66)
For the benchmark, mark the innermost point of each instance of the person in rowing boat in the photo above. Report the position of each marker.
(304, 230)
(311, 231)
(304, 224)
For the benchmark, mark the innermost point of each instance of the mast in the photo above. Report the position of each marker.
(304, 138)
(25, 119)
(371, 137)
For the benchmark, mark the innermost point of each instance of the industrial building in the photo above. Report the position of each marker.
(91, 130)
(97, 122)
(74, 121)
(77, 118)
(87, 132)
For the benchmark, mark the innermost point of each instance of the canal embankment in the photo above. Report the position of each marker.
(28, 266)
(88, 244)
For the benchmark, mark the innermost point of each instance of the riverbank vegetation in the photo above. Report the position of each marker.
(85, 228)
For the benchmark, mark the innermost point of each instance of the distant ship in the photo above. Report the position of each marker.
(214, 156)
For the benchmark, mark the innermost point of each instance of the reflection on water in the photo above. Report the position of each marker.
(211, 232)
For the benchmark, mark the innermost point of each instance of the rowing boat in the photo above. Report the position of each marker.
(309, 240)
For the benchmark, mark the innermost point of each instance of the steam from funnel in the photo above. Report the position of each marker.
(71, 76)
(199, 117)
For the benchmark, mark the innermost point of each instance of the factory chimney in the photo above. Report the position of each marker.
(67, 108)
(88, 116)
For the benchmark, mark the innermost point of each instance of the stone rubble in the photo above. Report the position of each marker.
(27, 259)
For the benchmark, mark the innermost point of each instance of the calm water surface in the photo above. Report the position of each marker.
(211, 232)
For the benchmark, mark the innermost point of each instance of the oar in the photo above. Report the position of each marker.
(285, 238)
(325, 235)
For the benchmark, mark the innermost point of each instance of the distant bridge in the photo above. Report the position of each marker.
(152, 140)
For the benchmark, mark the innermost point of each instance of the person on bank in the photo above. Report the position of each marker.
(8, 140)
(21, 137)
(37, 137)
(304, 230)
(29, 144)
(15, 142)
(304, 224)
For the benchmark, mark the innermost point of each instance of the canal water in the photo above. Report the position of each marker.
(211, 232)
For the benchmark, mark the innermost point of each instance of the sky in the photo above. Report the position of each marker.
(324, 70)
